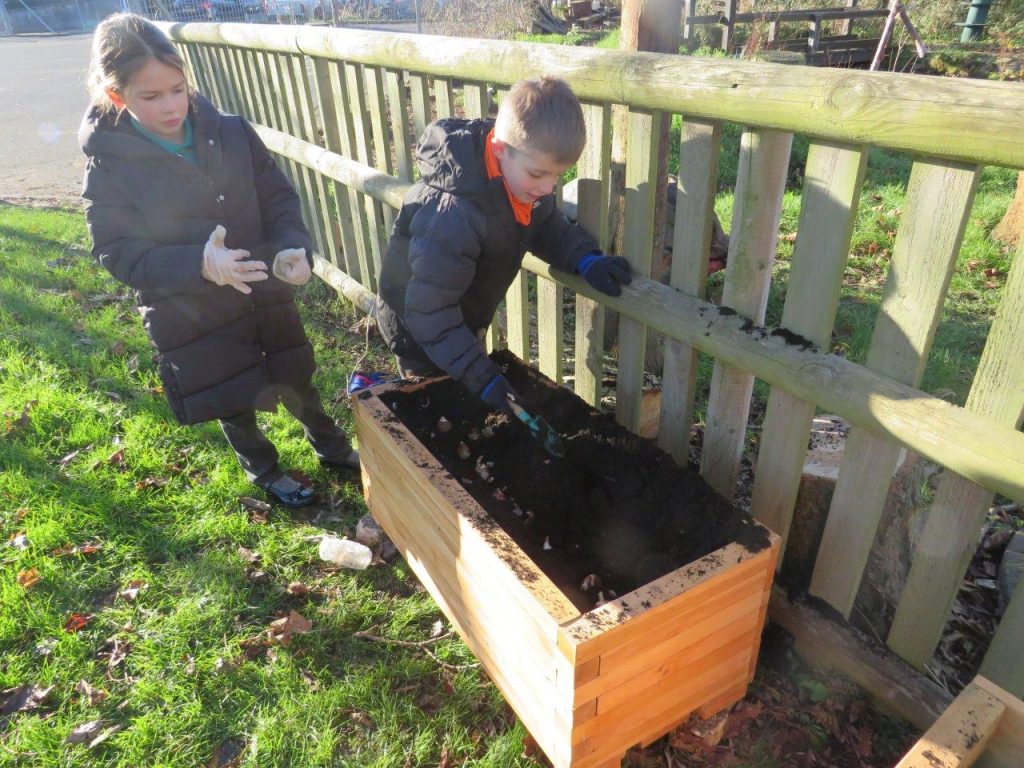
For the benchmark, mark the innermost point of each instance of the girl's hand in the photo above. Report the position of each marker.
(291, 266)
(227, 266)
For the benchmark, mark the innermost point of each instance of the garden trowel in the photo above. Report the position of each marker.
(540, 430)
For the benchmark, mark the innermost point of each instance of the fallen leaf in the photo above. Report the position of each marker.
(117, 348)
(77, 549)
(115, 651)
(68, 458)
(116, 459)
(446, 760)
(281, 631)
(132, 590)
(297, 588)
(227, 755)
(107, 733)
(77, 622)
(18, 540)
(248, 555)
(23, 698)
(151, 482)
(84, 733)
(28, 578)
(91, 694)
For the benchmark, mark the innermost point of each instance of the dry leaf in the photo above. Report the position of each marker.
(281, 631)
(18, 540)
(151, 482)
(297, 588)
(22, 698)
(248, 555)
(115, 651)
(84, 733)
(92, 695)
(77, 622)
(77, 549)
(116, 459)
(132, 590)
(28, 578)
(107, 733)
(117, 348)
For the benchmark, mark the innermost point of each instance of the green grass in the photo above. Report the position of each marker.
(76, 375)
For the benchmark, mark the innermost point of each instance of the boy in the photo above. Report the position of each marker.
(485, 197)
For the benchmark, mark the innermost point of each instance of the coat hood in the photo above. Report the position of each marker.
(450, 156)
(111, 133)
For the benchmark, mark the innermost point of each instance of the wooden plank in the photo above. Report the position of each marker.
(550, 344)
(760, 185)
(912, 113)
(699, 148)
(895, 686)
(419, 100)
(329, 99)
(277, 114)
(517, 313)
(402, 139)
(959, 737)
(1003, 662)
(1006, 747)
(828, 209)
(589, 635)
(444, 97)
(637, 248)
(592, 204)
(958, 512)
(476, 100)
(361, 132)
(381, 130)
(939, 198)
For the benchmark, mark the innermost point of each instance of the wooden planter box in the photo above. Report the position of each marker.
(587, 686)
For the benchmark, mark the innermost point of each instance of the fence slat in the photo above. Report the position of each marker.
(760, 184)
(1004, 663)
(398, 102)
(277, 117)
(343, 196)
(828, 209)
(699, 147)
(419, 99)
(958, 512)
(361, 132)
(592, 204)
(381, 133)
(939, 197)
(638, 239)
(444, 97)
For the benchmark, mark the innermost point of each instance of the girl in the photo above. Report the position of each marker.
(186, 206)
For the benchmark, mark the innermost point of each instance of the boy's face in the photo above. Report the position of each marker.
(529, 175)
(157, 97)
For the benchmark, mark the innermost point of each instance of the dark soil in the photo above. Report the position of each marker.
(613, 514)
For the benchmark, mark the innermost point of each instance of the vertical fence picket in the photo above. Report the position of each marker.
(419, 100)
(828, 209)
(209, 84)
(256, 86)
(958, 512)
(444, 97)
(363, 147)
(638, 249)
(699, 148)
(347, 259)
(229, 84)
(939, 198)
(592, 203)
(760, 184)
(292, 68)
(279, 119)
(398, 101)
(243, 77)
(381, 131)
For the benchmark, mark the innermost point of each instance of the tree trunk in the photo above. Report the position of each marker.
(1009, 230)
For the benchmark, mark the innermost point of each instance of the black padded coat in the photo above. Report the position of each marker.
(455, 249)
(150, 212)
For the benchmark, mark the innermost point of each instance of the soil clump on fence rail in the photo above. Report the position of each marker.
(614, 513)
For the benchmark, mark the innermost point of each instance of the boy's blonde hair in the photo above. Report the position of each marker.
(122, 45)
(542, 115)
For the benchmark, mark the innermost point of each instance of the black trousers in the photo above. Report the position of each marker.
(257, 454)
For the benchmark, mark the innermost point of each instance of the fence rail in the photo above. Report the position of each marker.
(343, 108)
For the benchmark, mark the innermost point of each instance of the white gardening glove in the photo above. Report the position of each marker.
(227, 266)
(291, 266)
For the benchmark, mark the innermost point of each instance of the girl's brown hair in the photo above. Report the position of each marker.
(122, 45)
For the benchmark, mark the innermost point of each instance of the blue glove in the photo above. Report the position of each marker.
(605, 273)
(496, 393)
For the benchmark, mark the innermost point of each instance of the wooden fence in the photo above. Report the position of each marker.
(343, 109)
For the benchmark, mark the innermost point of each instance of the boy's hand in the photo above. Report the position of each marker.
(605, 273)
(496, 393)
(227, 266)
(291, 266)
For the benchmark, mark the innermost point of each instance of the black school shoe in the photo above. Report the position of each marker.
(349, 464)
(302, 496)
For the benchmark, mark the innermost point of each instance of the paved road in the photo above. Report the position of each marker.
(42, 88)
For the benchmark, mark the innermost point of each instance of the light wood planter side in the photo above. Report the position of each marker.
(587, 686)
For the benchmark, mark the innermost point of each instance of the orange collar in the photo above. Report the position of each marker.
(522, 211)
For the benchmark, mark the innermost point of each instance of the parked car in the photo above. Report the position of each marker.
(218, 10)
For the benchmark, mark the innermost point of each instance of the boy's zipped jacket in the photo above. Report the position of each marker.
(455, 249)
(150, 213)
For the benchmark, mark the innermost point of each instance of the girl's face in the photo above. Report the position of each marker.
(157, 97)
(529, 175)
